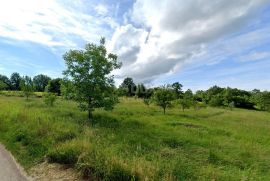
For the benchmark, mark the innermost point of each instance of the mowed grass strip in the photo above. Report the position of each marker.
(137, 142)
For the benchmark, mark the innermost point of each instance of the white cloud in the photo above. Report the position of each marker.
(156, 38)
(101, 9)
(51, 23)
(178, 32)
(255, 56)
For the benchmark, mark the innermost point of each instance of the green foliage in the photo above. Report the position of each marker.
(217, 96)
(3, 86)
(40, 82)
(26, 85)
(54, 86)
(163, 97)
(178, 89)
(240, 98)
(185, 103)
(127, 88)
(89, 71)
(67, 89)
(20, 94)
(49, 98)
(141, 91)
(6, 84)
(216, 101)
(187, 100)
(15, 81)
(261, 100)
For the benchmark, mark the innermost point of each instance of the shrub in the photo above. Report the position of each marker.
(216, 101)
(49, 99)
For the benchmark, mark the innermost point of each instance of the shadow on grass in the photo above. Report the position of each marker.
(105, 121)
(195, 117)
(188, 125)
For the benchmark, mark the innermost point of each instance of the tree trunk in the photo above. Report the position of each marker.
(90, 116)
(164, 110)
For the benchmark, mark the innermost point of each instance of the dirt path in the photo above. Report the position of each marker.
(9, 169)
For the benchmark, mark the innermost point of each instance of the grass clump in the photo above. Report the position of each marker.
(98, 165)
(66, 153)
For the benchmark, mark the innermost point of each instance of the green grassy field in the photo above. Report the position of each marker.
(136, 142)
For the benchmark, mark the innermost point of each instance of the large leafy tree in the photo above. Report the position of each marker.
(163, 97)
(15, 80)
(54, 86)
(3, 85)
(178, 89)
(90, 72)
(40, 82)
(5, 82)
(128, 87)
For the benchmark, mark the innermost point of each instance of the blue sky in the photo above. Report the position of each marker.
(199, 43)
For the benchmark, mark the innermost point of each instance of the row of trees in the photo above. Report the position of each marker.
(39, 83)
(214, 96)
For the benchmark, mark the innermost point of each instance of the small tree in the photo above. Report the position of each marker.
(89, 70)
(231, 105)
(15, 80)
(147, 101)
(49, 98)
(26, 86)
(185, 103)
(163, 97)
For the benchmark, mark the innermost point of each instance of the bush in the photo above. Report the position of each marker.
(216, 101)
(49, 99)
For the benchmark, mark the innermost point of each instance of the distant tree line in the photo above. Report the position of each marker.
(39, 83)
(215, 96)
(162, 96)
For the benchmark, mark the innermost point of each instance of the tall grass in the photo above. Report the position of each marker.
(137, 142)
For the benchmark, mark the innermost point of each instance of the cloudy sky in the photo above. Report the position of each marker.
(199, 43)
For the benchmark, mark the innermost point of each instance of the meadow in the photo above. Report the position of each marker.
(138, 142)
